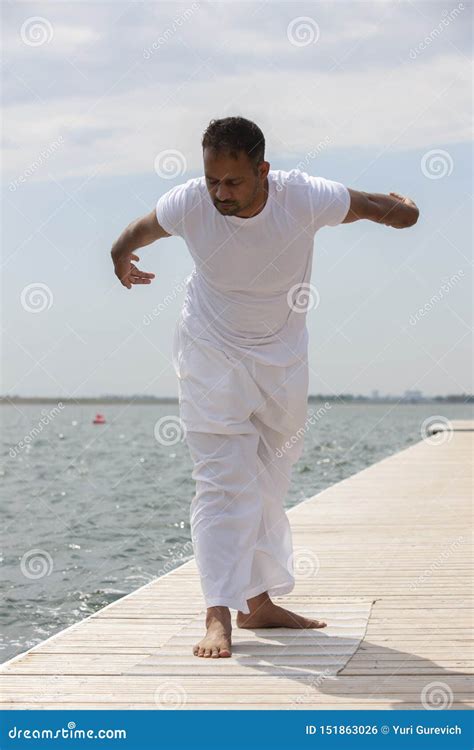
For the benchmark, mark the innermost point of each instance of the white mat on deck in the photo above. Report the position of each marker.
(284, 651)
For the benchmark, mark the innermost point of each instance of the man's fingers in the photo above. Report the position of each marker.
(403, 198)
(132, 275)
(142, 274)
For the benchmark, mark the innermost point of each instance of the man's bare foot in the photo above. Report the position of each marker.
(265, 614)
(217, 641)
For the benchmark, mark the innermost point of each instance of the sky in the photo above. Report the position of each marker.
(104, 106)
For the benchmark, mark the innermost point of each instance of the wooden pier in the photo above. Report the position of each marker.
(383, 556)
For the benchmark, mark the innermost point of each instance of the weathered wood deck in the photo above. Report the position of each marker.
(384, 556)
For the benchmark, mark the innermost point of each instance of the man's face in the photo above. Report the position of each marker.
(232, 183)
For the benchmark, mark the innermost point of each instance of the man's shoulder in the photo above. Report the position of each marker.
(190, 187)
(195, 183)
(292, 185)
(290, 178)
(185, 195)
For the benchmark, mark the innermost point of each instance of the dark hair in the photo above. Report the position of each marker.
(234, 134)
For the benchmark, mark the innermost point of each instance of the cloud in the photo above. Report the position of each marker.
(115, 107)
(127, 130)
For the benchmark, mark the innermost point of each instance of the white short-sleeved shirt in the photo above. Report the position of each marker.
(249, 289)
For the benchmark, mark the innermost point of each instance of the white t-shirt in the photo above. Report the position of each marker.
(249, 289)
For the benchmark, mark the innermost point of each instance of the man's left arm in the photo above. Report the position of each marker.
(393, 210)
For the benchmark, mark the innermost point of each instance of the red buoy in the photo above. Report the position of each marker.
(99, 419)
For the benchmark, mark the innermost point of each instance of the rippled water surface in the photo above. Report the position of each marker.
(92, 512)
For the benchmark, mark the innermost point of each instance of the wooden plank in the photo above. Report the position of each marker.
(393, 577)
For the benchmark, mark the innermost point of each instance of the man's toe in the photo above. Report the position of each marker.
(215, 653)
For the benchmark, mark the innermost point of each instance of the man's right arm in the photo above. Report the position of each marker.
(139, 233)
(394, 210)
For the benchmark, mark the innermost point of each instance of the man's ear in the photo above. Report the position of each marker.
(264, 169)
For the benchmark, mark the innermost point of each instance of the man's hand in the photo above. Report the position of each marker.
(143, 231)
(403, 213)
(127, 271)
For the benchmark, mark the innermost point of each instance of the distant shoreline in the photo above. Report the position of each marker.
(150, 400)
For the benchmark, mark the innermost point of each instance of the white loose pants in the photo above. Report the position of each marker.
(244, 424)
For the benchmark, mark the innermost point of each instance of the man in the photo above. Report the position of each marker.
(240, 354)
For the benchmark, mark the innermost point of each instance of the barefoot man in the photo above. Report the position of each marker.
(240, 354)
